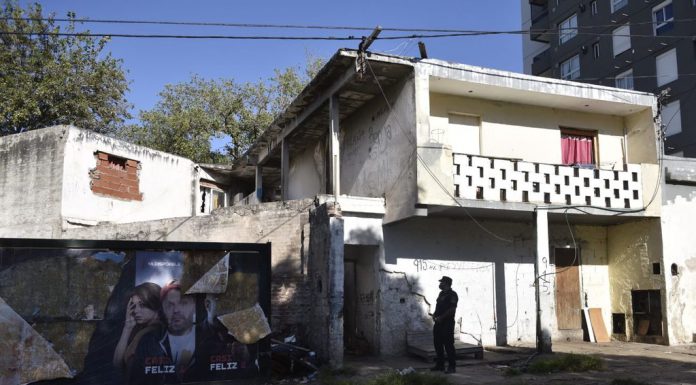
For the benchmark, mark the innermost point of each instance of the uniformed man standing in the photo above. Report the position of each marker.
(443, 331)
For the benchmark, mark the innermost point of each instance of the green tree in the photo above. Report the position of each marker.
(190, 114)
(48, 79)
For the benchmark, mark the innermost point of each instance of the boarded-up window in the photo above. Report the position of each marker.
(116, 177)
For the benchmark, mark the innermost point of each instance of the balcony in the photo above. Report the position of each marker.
(541, 63)
(539, 2)
(539, 30)
(504, 180)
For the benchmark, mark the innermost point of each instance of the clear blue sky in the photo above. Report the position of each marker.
(152, 63)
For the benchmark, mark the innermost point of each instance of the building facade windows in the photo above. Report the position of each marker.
(578, 147)
(595, 50)
(593, 7)
(212, 197)
(624, 80)
(671, 118)
(621, 39)
(666, 67)
(568, 29)
(663, 18)
(570, 69)
(618, 4)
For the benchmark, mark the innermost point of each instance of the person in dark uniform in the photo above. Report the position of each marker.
(443, 330)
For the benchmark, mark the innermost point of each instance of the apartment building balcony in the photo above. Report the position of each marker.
(508, 180)
(541, 63)
(539, 30)
(539, 2)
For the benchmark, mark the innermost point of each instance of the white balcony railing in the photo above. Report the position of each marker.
(495, 179)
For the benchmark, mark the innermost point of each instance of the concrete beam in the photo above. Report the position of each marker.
(322, 98)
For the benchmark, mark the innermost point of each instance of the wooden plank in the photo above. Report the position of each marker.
(600, 331)
(568, 289)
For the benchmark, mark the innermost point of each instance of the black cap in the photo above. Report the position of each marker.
(446, 279)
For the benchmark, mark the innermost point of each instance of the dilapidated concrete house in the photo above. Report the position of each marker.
(539, 197)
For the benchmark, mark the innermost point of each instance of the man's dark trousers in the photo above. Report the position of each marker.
(443, 339)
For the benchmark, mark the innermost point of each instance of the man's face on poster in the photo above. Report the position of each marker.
(179, 311)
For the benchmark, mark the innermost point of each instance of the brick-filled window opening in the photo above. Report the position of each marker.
(116, 177)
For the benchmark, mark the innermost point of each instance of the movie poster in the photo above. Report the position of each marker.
(129, 312)
(171, 336)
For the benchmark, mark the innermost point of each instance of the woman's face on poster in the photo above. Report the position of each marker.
(141, 313)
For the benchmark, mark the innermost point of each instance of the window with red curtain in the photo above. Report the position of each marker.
(577, 149)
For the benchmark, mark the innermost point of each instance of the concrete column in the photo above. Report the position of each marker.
(259, 183)
(335, 292)
(334, 151)
(544, 290)
(284, 169)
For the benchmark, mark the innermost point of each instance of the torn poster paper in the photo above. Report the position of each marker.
(26, 356)
(248, 326)
(215, 280)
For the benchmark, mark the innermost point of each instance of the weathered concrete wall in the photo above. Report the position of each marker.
(31, 173)
(679, 249)
(641, 137)
(518, 131)
(494, 279)
(166, 182)
(326, 277)
(307, 177)
(632, 249)
(284, 224)
(378, 151)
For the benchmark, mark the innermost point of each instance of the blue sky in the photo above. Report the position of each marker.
(152, 63)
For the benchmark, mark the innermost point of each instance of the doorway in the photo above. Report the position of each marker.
(360, 299)
(568, 305)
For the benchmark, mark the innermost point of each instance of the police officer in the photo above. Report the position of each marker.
(443, 331)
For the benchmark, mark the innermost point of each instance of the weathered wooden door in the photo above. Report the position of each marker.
(568, 305)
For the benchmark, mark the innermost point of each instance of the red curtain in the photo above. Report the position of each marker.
(577, 149)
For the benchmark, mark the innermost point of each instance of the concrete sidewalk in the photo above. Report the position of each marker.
(651, 364)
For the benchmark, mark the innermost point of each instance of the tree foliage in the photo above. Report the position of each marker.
(190, 114)
(47, 79)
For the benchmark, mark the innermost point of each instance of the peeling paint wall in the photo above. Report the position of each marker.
(632, 249)
(31, 172)
(679, 243)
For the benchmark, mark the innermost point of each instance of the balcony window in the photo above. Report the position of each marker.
(595, 50)
(570, 69)
(621, 39)
(568, 28)
(663, 18)
(593, 7)
(618, 4)
(624, 80)
(577, 147)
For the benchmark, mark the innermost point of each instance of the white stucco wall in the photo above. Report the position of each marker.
(167, 182)
(679, 245)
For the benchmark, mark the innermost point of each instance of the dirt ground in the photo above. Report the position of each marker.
(651, 364)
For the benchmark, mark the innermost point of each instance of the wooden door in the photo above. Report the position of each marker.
(568, 307)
